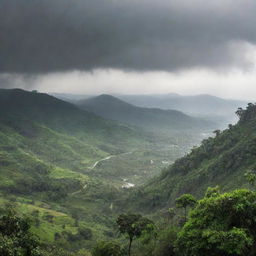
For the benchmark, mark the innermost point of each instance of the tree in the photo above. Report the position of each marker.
(15, 238)
(170, 214)
(221, 224)
(134, 225)
(185, 201)
(240, 112)
(251, 177)
(165, 242)
(107, 249)
(212, 191)
(86, 233)
(83, 252)
(217, 132)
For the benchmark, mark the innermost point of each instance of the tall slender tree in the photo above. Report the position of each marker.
(134, 225)
(185, 201)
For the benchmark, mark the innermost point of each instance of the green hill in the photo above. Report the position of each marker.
(47, 150)
(155, 119)
(51, 133)
(222, 160)
(23, 108)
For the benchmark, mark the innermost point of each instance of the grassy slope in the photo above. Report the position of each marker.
(46, 146)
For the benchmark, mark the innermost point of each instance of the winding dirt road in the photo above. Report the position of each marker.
(95, 165)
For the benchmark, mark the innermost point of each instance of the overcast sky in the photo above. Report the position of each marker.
(129, 46)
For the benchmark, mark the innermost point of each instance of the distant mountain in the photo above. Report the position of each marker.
(113, 108)
(207, 106)
(222, 160)
(199, 105)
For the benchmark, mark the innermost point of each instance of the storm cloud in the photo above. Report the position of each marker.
(41, 36)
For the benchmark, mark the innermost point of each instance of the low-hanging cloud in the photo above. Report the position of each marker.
(40, 36)
(235, 84)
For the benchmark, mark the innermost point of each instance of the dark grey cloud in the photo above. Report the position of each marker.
(39, 36)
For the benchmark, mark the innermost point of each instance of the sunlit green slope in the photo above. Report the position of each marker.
(47, 149)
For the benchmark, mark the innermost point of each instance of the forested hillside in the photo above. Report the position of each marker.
(220, 160)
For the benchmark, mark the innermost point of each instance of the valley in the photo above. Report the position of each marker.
(70, 165)
(70, 170)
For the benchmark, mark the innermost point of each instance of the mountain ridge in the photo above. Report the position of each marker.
(113, 108)
(204, 105)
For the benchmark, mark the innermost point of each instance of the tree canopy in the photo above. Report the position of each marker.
(185, 201)
(134, 225)
(104, 248)
(15, 238)
(221, 224)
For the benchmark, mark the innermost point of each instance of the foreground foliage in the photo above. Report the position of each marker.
(222, 224)
(15, 238)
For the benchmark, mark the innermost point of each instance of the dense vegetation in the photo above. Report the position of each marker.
(220, 160)
(219, 224)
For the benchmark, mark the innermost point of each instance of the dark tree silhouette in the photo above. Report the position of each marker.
(134, 225)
